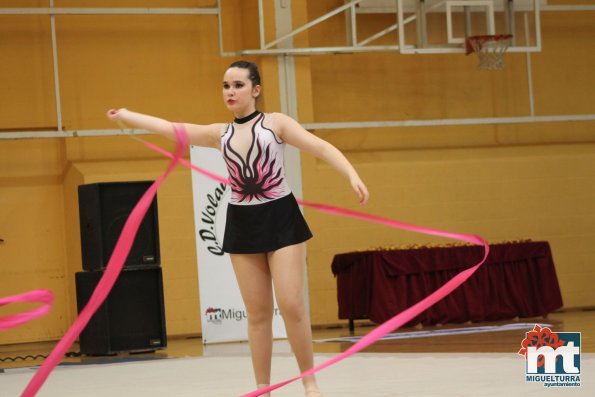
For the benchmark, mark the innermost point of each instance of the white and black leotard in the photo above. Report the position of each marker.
(259, 175)
(262, 214)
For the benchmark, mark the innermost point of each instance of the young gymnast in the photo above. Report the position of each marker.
(265, 231)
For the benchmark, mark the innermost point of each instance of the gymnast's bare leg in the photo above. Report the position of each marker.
(254, 279)
(286, 269)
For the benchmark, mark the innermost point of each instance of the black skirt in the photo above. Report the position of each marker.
(259, 228)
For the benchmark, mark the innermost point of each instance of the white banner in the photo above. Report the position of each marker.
(223, 314)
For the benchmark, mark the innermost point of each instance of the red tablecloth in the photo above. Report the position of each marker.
(518, 279)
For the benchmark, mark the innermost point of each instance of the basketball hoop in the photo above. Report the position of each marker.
(490, 49)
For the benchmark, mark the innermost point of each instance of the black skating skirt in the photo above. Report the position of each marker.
(259, 228)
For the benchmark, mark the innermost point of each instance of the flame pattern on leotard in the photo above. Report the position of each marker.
(260, 176)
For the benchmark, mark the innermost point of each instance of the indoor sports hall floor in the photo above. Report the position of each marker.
(476, 364)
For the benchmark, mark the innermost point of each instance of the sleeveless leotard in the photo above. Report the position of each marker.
(259, 175)
(262, 215)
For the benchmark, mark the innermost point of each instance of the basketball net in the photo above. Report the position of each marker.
(490, 49)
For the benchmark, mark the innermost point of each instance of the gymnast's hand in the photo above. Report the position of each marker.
(115, 114)
(360, 189)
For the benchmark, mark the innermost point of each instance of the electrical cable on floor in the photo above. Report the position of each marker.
(23, 358)
(35, 357)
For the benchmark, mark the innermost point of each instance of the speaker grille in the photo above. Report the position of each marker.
(104, 209)
(132, 318)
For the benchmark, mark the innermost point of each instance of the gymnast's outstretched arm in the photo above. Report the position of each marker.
(293, 133)
(200, 135)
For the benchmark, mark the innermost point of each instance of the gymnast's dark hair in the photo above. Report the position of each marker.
(254, 74)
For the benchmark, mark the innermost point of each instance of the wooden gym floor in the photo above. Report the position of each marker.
(493, 342)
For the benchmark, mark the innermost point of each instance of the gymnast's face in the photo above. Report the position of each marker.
(238, 92)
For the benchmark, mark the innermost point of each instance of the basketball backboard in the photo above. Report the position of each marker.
(441, 26)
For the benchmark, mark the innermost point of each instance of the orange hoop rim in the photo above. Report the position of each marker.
(475, 43)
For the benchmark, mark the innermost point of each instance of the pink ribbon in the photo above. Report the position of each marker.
(112, 271)
(43, 296)
(131, 227)
(398, 320)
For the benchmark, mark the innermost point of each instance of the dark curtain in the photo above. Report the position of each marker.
(518, 279)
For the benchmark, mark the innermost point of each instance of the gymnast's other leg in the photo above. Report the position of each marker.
(254, 279)
(288, 270)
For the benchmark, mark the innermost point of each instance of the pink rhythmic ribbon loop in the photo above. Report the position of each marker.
(112, 271)
(131, 227)
(43, 296)
(399, 319)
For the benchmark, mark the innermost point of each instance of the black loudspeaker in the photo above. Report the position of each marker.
(132, 318)
(103, 210)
